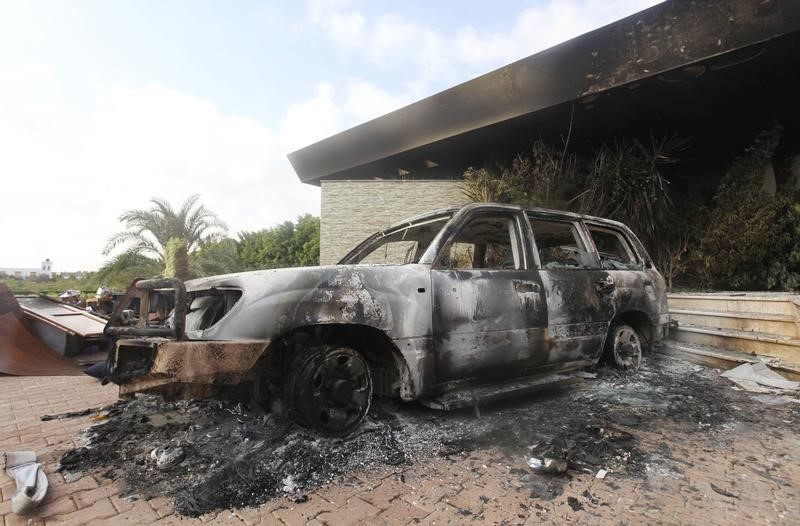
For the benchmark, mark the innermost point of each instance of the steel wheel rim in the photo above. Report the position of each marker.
(627, 348)
(341, 390)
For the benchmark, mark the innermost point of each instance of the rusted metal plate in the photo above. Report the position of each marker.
(22, 354)
(8, 303)
(207, 362)
(182, 368)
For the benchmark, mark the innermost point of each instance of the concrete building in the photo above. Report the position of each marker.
(716, 71)
(45, 270)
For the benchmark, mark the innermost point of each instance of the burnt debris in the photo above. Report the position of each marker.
(210, 455)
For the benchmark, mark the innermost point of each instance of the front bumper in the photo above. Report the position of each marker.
(150, 354)
(183, 369)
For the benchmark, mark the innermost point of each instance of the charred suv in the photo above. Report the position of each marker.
(450, 308)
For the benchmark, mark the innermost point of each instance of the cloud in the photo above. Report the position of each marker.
(72, 172)
(366, 101)
(391, 38)
(538, 28)
(345, 27)
(388, 38)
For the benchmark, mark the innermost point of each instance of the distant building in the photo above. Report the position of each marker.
(45, 270)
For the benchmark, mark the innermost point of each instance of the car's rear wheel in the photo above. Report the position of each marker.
(329, 389)
(624, 347)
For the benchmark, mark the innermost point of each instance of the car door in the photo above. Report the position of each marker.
(636, 282)
(579, 295)
(488, 305)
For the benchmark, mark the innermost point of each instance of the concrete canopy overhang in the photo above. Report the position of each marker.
(675, 65)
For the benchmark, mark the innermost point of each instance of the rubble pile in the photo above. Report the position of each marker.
(215, 455)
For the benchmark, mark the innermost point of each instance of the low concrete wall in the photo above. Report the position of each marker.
(738, 323)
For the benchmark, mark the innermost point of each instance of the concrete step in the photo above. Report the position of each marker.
(722, 358)
(764, 303)
(758, 343)
(775, 324)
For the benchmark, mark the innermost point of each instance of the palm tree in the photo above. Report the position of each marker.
(150, 230)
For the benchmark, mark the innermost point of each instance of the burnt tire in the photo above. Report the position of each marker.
(623, 348)
(329, 389)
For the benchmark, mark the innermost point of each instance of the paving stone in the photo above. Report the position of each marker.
(427, 493)
(446, 515)
(470, 498)
(123, 504)
(382, 495)
(16, 520)
(86, 498)
(52, 508)
(58, 490)
(401, 512)
(139, 513)
(260, 515)
(99, 510)
(340, 493)
(8, 490)
(355, 511)
(298, 514)
(162, 506)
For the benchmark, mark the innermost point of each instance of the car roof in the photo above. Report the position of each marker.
(503, 206)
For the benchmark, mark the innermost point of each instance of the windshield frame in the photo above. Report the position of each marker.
(373, 242)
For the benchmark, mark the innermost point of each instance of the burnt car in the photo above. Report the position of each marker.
(451, 308)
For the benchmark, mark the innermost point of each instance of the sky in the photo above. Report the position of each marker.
(105, 104)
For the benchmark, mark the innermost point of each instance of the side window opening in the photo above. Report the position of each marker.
(559, 245)
(486, 242)
(614, 249)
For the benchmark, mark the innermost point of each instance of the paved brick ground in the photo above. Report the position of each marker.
(761, 468)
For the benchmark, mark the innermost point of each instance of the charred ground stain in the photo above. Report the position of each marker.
(235, 456)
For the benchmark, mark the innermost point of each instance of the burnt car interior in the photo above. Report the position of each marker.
(487, 242)
(559, 245)
(156, 311)
(614, 250)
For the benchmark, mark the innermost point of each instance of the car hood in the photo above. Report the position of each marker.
(277, 300)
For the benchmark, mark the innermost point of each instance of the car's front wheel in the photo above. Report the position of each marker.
(624, 347)
(329, 389)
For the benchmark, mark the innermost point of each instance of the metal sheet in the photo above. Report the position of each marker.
(8, 303)
(65, 317)
(22, 354)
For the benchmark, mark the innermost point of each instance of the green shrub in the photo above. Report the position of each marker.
(752, 239)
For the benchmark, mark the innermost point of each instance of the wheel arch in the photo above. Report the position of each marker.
(390, 370)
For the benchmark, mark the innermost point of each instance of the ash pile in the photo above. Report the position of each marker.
(214, 455)
(208, 456)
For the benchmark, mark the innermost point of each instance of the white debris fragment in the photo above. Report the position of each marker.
(601, 474)
(30, 478)
(757, 377)
(289, 485)
(167, 457)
